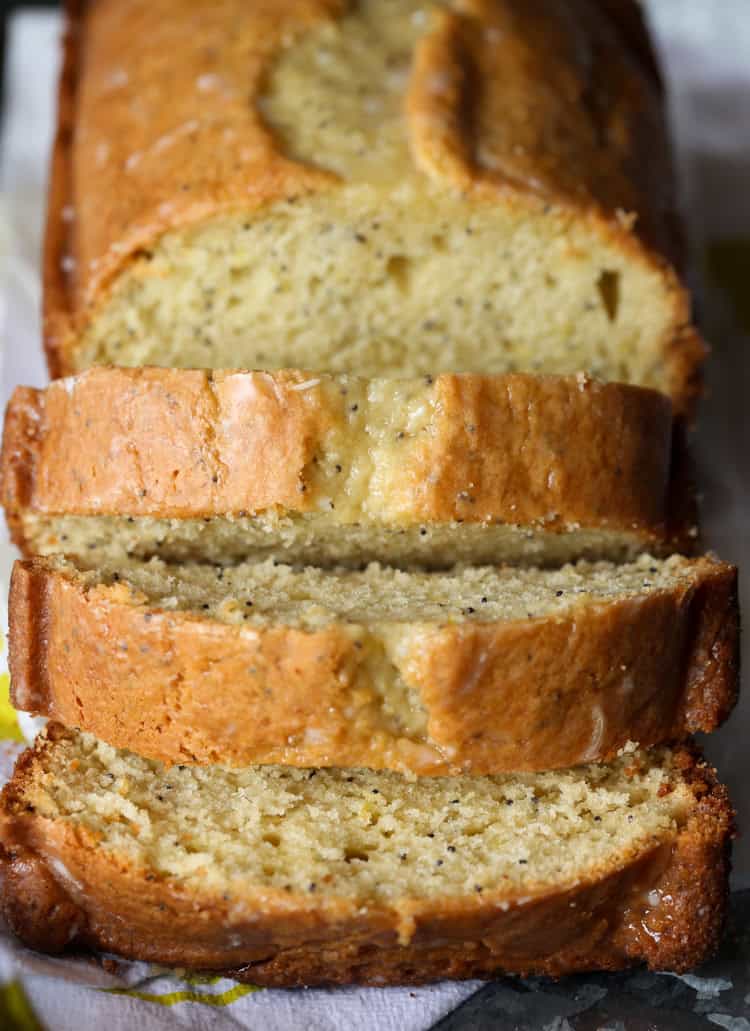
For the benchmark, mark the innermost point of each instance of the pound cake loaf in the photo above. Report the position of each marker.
(284, 876)
(479, 670)
(386, 187)
(225, 465)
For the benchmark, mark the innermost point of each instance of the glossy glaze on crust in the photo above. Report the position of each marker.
(533, 138)
(556, 453)
(664, 906)
(480, 697)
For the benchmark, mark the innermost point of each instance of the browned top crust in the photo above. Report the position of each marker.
(665, 908)
(529, 694)
(566, 110)
(559, 453)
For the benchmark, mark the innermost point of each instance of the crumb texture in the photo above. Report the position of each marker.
(514, 226)
(354, 833)
(266, 593)
(346, 876)
(320, 541)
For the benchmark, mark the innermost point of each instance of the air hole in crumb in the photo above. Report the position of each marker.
(272, 839)
(398, 269)
(608, 285)
(438, 242)
(353, 853)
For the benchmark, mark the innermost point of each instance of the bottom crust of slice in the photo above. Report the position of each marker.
(664, 907)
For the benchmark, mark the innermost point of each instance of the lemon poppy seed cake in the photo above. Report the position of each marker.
(358, 587)
(226, 465)
(478, 670)
(334, 876)
(386, 187)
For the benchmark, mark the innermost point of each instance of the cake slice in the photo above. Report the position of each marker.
(308, 468)
(478, 670)
(389, 187)
(285, 876)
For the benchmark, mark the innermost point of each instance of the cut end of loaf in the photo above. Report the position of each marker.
(319, 540)
(381, 209)
(333, 286)
(372, 836)
(314, 876)
(271, 593)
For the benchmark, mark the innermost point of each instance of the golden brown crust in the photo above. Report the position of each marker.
(543, 97)
(197, 177)
(687, 911)
(22, 438)
(569, 113)
(665, 907)
(527, 695)
(58, 332)
(559, 453)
